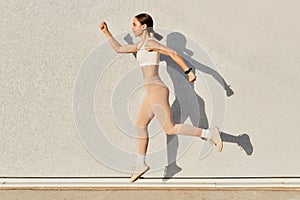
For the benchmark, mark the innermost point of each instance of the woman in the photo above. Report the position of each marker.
(156, 102)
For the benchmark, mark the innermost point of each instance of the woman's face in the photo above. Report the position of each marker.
(137, 27)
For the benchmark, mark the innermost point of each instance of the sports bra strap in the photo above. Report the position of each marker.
(143, 44)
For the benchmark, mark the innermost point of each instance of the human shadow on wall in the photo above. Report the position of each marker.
(177, 41)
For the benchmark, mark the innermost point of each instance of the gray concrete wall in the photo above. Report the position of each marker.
(251, 45)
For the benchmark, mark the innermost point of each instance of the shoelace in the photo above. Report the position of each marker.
(211, 141)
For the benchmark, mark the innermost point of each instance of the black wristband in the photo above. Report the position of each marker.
(188, 71)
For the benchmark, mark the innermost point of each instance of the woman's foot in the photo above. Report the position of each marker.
(139, 171)
(216, 138)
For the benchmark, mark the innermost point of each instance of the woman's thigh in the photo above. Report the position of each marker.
(145, 114)
(160, 107)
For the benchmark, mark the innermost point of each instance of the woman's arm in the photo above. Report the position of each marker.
(131, 48)
(156, 46)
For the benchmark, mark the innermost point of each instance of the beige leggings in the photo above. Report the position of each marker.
(156, 103)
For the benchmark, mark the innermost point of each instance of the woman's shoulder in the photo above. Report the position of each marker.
(151, 41)
(142, 44)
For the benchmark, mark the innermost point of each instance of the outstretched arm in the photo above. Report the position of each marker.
(131, 48)
(156, 46)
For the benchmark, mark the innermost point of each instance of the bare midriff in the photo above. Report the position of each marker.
(150, 71)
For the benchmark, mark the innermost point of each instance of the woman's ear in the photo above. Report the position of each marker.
(144, 26)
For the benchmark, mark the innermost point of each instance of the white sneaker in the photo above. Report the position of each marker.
(216, 138)
(139, 171)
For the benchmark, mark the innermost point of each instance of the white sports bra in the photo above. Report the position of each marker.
(146, 58)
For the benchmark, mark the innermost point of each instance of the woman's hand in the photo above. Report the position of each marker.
(103, 27)
(192, 77)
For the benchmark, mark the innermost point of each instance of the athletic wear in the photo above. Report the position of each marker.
(206, 134)
(156, 103)
(146, 58)
(140, 159)
(139, 171)
(216, 139)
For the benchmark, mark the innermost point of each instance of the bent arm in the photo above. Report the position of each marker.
(156, 46)
(130, 48)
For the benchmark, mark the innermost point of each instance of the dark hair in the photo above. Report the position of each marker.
(144, 18)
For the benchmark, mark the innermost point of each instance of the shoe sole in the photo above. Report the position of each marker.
(135, 177)
(219, 144)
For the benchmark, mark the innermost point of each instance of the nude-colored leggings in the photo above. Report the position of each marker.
(156, 103)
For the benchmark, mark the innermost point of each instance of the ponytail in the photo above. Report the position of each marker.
(154, 34)
(157, 36)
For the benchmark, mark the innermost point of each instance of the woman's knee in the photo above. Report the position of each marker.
(142, 131)
(143, 120)
(141, 125)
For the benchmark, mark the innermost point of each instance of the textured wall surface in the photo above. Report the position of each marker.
(253, 45)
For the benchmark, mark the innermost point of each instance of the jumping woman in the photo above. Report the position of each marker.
(156, 102)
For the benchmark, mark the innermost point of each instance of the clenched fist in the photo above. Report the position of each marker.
(103, 27)
(192, 77)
